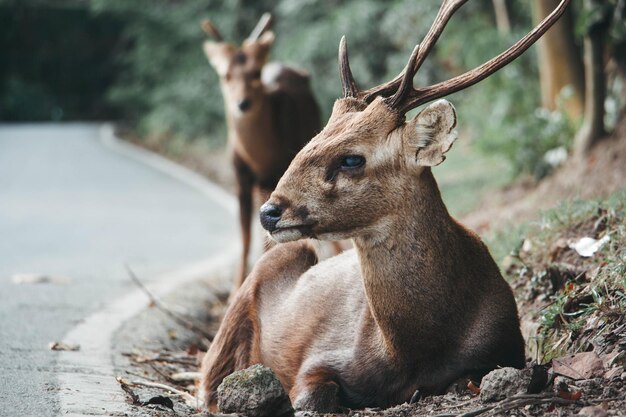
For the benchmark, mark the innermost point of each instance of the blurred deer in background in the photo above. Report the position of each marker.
(270, 112)
(419, 303)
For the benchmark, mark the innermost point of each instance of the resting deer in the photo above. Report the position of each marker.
(419, 303)
(270, 112)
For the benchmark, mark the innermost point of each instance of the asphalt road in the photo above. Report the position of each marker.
(72, 208)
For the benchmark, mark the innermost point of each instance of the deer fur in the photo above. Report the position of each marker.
(270, 113)
(419, 302)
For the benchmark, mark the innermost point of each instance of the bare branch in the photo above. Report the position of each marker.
(183, 321)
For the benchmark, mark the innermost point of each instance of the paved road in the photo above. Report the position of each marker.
(70, 207)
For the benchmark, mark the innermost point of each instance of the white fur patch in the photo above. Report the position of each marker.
(425, 135)
(286, 235)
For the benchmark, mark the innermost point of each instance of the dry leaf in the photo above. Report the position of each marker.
(614, 373)
(587, 246)
(570, 395)
(583, 365)
(61, 346)
(473, 388)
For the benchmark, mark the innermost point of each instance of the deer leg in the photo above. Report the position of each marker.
(316, 390)
(245, 183)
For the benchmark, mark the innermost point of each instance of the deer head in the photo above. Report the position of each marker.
(349, 180)
(239, 68)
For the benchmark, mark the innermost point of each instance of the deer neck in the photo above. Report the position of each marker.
(252, 135)
(249, 125)
(404, 265)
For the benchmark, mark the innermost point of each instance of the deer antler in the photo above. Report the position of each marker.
(348, 84)
(400, 94)
(265, 22)
(211, 30)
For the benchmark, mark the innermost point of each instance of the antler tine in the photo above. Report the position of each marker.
(421, 51)
(211, 30)
(265, 22)
(389, 88)
(420, 96)
(348, 85)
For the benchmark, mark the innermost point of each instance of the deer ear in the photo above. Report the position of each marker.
(431, 133)
(219, 55)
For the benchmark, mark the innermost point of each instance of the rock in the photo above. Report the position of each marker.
(253, 392)
(502, 383)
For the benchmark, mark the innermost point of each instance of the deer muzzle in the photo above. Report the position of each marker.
(270, 214)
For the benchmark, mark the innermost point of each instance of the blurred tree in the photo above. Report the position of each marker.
(597, 24)
(560, 65)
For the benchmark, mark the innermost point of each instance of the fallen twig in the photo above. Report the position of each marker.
(516, 401)
(163, 374)
(185, 376)
(183, 321)
(189, 399)
(137, 357)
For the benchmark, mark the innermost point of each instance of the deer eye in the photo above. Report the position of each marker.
(352, 161)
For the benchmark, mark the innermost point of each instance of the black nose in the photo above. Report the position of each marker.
(270, 215)
(244, 104)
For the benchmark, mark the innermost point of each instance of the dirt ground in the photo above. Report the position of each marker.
(598, 174)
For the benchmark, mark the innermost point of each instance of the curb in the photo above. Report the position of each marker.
(87, 384)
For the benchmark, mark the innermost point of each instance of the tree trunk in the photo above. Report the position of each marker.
(595, 85)
(502, 17)
(559, 61)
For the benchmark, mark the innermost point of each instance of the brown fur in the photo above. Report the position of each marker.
(282, 117)
(418, 304)
(236, 344)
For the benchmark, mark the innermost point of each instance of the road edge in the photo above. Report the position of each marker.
(87, 384)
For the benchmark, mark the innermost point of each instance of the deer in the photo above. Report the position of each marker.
(419, 303)
(270, 114)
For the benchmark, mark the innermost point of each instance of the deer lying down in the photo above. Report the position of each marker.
(418, 304)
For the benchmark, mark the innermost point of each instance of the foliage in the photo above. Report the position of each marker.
(165, 87)
(56, 61)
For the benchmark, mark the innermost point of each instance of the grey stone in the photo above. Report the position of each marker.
(503, 383)
(253, 392)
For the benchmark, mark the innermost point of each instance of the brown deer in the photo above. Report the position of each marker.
(270, 112)
(419, 303)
